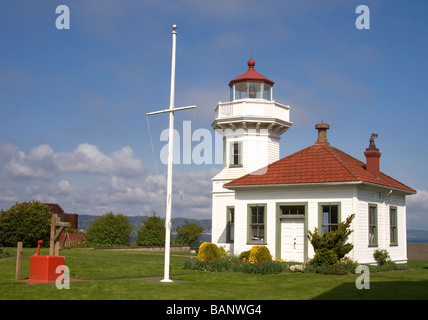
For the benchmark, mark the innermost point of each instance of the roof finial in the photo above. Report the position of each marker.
(251, 63)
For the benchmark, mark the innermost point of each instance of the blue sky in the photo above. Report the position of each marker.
(74, 102)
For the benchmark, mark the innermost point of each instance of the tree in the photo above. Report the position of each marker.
(188, 233)
(28, 222)
(333, 240)
(109, 231)
(152, 232)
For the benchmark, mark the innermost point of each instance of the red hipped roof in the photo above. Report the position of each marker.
(251, 75)
(319, 163)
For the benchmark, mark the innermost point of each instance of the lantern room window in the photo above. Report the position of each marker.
(251, 90)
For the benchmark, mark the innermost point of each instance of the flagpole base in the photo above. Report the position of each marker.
(166, 280)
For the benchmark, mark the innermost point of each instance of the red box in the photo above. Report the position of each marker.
(42, 268)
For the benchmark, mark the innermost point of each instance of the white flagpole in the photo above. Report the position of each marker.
(170, 156)
(170, 151)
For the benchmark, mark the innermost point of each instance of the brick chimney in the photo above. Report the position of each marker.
(372, 157)
(322, 132)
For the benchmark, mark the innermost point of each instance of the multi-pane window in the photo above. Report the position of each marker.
(372, 225)
(257, 223)
(230, 227)
(393, 235)
(252, 90)
(236, 154)
(292, 210)
(330, 218)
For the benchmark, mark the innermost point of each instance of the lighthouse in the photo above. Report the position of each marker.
(259, 199)
(251, 125)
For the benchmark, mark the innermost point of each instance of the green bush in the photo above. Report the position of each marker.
(151, 233)
(208, 251)
(346, 266)
(325, 257)
(333, 240)
(244, 255)
(28, 222)
(109, 231)
(223, 252)
(188, 233)
(259, 254)
(381, 256)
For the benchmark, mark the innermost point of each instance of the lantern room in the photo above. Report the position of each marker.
(251, 85)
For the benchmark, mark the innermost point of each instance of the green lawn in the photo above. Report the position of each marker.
(111, 275)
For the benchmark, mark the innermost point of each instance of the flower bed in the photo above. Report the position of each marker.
(258, 260)
(238, 265)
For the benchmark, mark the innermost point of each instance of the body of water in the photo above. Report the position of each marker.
(205, 238)
(417, 240)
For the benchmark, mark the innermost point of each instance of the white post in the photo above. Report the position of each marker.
(169, 176)
(170, 156)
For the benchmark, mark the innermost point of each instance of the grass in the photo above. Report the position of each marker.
(111, 275)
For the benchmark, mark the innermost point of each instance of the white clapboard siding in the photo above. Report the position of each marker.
(352, 199)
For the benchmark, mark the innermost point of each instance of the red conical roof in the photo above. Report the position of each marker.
(251, 76)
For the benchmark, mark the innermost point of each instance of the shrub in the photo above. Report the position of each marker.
(325, 256)
(152, 232)
(208, 251)
(109, 230)
(28, 222)
(259, 254)
(188, 233)
(381, 256)
(347, 265)
(223, 252)
(244, 255)
(333, 240)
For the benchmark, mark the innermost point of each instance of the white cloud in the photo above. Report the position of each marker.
(112, 182)
(191, 194)
(64, 186)
(417, 210)
(38, 164)
(7, 195)
(419, 200)
(43, 163)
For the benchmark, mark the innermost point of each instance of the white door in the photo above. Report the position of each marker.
(293, 239)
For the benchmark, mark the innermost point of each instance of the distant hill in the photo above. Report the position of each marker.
(136, 221)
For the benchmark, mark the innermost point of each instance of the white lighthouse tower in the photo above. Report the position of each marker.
(251, 124)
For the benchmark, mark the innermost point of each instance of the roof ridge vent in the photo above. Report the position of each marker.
(322, 132)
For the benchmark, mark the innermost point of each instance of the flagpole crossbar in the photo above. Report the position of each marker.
(170, 110)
